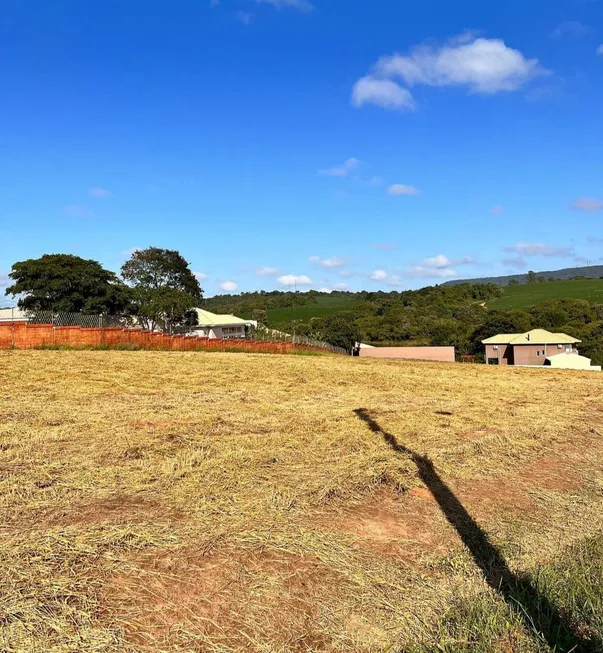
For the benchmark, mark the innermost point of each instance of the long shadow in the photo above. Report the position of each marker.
(536, 610)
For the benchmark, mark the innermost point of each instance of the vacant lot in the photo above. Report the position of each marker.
(525, 295)
(155, 501)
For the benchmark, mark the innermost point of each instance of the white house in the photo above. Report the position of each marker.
(211, 325)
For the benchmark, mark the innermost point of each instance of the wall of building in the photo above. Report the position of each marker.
(502, 353)
(536, 354)
(444, 354)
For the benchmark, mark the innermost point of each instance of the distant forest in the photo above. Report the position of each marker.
(455, 315)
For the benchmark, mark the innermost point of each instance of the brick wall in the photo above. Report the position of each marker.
(20, 335)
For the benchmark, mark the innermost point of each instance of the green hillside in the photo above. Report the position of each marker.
(324, 306)
(529, 294)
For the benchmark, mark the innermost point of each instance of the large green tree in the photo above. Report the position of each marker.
(67, 283)
(164, 288)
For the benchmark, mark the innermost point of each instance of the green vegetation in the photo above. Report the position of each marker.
(525, 295)
(325, 306)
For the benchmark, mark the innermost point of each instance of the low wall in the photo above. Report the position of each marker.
(20, 335)
(444, 354)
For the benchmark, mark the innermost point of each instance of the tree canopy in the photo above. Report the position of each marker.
(164, 289)
(69, 284)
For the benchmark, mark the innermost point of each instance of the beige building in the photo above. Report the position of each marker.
(531, 348)
(212, 325)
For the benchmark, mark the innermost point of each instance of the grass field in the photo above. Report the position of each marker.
(163, 501)
(528, 294)
(324, 307)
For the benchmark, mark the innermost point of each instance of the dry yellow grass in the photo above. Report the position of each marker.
(154, 501)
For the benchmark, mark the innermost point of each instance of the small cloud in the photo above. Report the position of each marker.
(342, 170)
(385, 247)
(335, 262)
(229, 286)
(539, 249)
(600, 50)
(294, 280)
(429, 272)
(244, 17)
(593, 240)
(302, 5)
(402, 189)
(587, 204)
(340, 286)
(372, 181)
(379, 275)
(515, 263)
(497, 210)
(572, 29)
(78, 211)
(384, 93)
(439, 261)
(328, 291)
(200, 276)
(101, 193)
(266, 272)
(581, 259)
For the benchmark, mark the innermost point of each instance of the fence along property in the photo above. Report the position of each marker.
(19, 330)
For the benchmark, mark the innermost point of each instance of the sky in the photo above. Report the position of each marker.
(297, 144)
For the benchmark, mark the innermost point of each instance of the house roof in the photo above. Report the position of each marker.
(533, 337)
(205, 318)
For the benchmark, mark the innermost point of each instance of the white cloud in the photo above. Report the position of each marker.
(439, 261)
(516, 263)
(294, 280)
(570, 28)
(402, 189)
(266, 272)
(229, 286)
(588, 204)
(326, 290)
(481, 65)
(340, 286)
(429, 272)
(200, 276)
(379, 275)
(497, 210)
(302, 5)
(600, 49)
(78, 211)
(99, 192)
(329, 263)
(342, 170)
(385, 93)
(539, 249)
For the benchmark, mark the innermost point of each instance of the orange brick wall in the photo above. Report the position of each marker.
(20, 335)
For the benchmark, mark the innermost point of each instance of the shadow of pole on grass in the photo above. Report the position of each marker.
(536, 610)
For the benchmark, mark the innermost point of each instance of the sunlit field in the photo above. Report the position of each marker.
(164, 501)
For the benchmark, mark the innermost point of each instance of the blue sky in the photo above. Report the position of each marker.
(304, 143)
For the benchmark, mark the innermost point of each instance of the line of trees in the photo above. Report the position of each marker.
(155, 285)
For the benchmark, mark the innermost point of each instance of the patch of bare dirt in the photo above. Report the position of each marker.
(552, 473)
(184, 599)
(118, 509)
(406, 526)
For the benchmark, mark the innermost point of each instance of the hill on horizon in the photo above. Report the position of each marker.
(588, 272)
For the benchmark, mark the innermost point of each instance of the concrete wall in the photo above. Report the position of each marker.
(523, 354)
(444, 354)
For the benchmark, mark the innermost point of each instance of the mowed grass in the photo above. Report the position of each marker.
(324, 307)
(164, 501)
(525, 295)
